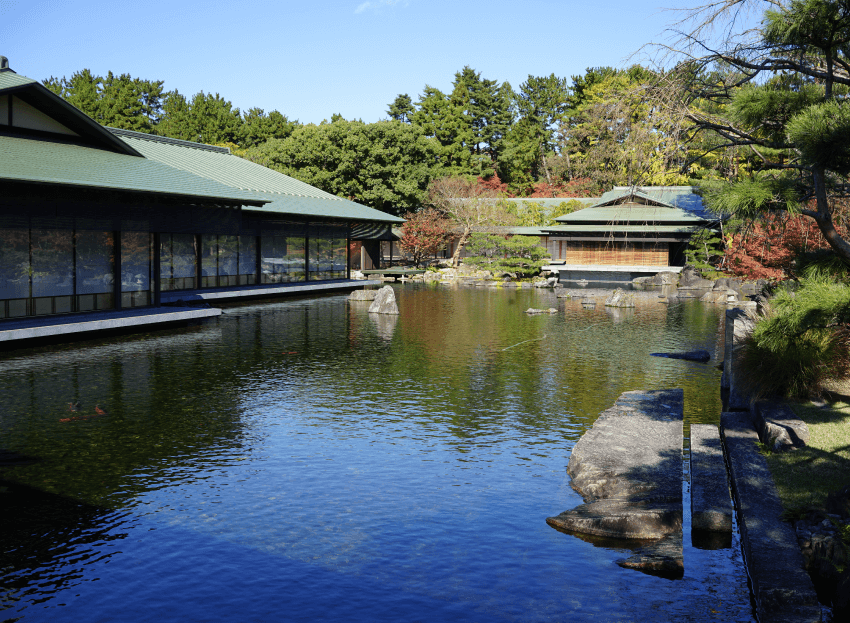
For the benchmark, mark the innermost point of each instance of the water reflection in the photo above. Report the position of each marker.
(302, 460)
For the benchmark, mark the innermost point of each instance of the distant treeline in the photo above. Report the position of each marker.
(550, 137)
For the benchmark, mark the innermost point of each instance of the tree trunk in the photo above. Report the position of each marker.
(461, 243)
(823, 218)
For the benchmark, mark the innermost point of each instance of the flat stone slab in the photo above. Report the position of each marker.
(782, 589)
(628, 469)
(711, 503)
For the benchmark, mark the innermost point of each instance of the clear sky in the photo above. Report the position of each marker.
(311, 59)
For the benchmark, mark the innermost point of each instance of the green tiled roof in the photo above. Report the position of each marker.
(630, 213)
(642, 207)
(624, 229)
(10, 80)
(285, 195)
(69, 164)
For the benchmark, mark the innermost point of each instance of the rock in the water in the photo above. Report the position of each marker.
(363, 295)
(588, 303)
(532, 311)
(384, 303)
(663, 557)
(665, 279)
(720, 296)
(620, 298)
(702, 356)
(628, 469)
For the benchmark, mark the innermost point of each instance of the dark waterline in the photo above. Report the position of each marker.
(304, 460)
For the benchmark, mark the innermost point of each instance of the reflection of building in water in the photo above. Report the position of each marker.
(94, 218)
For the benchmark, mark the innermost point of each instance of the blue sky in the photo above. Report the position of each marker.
(312, 59)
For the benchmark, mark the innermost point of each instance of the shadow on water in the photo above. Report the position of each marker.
(45, 538)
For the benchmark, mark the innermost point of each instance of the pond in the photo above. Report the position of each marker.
(302, 459)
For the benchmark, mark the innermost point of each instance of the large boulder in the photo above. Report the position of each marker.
(689, 276)
(384, 303)
(620, 298)
(720, 296)
(665, 279)
(628, 469)
(363, 295)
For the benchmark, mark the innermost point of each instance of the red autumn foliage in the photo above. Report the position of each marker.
(579, 187)
(766, 249)
(493, 183)
(424, 233)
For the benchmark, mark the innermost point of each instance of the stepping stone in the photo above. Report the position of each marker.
(711, 504)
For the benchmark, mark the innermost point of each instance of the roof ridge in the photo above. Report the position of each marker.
(168, 140)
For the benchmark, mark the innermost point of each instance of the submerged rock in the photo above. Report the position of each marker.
(663, 557)
(702, 356)
(384, 303)
(532, 311)
(620, 298)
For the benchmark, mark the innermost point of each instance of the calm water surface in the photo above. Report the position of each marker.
(304, 460)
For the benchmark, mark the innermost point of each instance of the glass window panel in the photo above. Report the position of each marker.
(228, 255)
(183, 255)
(165, 259)
(296, 257)
(274, 259)
(95, 262)
(135, 261)
(14, 263)
(52, 262)
(313, 256)
(247, 255)
(209, 255)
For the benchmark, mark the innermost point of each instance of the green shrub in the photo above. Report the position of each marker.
(801, 341)
(521, 255)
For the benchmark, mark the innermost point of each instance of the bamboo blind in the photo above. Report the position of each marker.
(615, 253)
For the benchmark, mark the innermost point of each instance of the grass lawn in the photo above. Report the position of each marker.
(804, 477)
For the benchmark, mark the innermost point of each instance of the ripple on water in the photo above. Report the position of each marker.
(304, 460)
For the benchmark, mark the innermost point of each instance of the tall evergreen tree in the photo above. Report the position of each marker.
(401, 108)
(260, 127)
(541, 102)
(444, 119)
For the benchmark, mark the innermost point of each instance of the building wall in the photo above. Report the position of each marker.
(611, 253)
(57, 258)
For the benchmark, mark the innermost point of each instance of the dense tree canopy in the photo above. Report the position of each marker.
(386, 165)
(778, 96)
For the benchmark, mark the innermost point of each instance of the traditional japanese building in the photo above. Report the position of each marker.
(94, 219)
(629, 232)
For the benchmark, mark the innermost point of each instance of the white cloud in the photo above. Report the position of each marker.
(377, 4)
